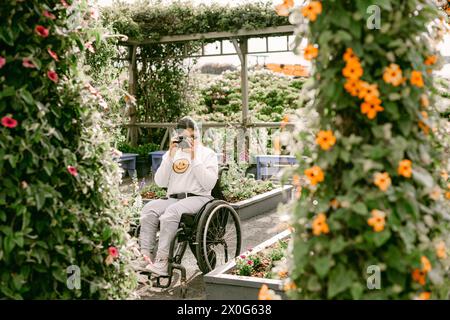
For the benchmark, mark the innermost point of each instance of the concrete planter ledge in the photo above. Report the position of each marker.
(220, 284)
(263, 202)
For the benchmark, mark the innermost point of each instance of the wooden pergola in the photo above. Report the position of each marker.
(239, 40)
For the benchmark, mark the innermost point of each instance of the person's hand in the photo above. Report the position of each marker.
(173, 147)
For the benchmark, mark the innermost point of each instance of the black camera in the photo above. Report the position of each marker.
(182, 142)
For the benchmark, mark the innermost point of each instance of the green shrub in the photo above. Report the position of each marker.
(59, 198)
(271, 97)
(236, 186)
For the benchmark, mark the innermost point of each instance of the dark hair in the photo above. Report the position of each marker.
(187, 123)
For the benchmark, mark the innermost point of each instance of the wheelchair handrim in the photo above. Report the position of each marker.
(235, 218)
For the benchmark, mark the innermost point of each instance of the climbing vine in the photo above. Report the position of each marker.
(373, 189)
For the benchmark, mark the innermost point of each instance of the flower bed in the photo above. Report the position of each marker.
(263, 263)
(224, 284)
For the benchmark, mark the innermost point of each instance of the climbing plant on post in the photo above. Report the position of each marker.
(371, 220)
(63, 228)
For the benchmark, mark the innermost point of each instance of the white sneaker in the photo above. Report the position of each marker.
(159, 267)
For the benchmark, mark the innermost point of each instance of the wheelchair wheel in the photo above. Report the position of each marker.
(218, 236)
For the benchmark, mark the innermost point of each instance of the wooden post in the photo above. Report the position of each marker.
(242, 50)
(133, 132)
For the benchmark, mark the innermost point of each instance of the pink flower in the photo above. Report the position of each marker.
(49, 15)
(72, 170)
(41, 31)
(27, 63)
(64, 3)
(2, 61)
(52, 54)
(242, 256)
(94, 14)
(113, 252)
(9, 122)
(90, 47)
(52, 75)
(250, 262)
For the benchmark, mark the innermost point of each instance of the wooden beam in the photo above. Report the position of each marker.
(272, 31)
(213, 124)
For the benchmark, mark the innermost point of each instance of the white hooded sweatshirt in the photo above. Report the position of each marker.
(182, 174)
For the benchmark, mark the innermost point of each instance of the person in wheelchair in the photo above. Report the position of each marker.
(189, 171)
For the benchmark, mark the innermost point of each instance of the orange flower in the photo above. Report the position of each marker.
(368, 91)
(311, 52)
(290, 285)
(320, 225)
(311, 10)
(441, 250)
(334, 204)
(352, 87)
(424, 101)
(314, 175)
(283, 9)
(393, 75)
(377, 221)
(426, 265)
(325, 139)
(277, 145)
(382, 180)
(371, 108)
(296, 180)
(266, 294)
(424, 296)
(416, 79)
(447, 195)
(430, 60)
(404, 168)
(297, 185)
(353, 70)
(284, 121)
(419, 276)
(435, 193)
(349, 55)
(424, 127)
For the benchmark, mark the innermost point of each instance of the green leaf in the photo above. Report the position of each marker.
(340, 280)
(322, 265)
(313, 284)
(8, 243)
(26, 96)
(357, 290)
(377, 238)
(360, 208)
(337, 245)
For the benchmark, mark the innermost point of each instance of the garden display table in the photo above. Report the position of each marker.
(156, 157)
(128, 162)
(268, 165)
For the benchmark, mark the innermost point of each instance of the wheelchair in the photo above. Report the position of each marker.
(213, 235)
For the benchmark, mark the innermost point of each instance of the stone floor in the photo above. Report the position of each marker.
(255, 230)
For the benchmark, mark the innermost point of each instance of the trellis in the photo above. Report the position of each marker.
(239, 40)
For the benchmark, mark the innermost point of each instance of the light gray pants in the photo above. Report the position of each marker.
(167, 213)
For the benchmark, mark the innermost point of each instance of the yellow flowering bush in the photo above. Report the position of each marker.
(371, 190)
